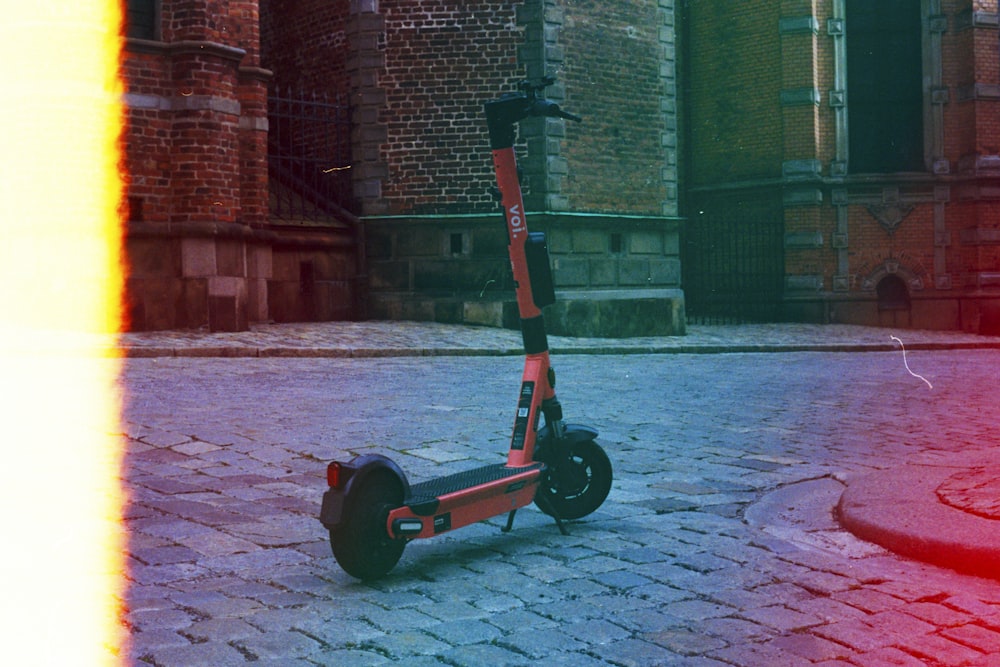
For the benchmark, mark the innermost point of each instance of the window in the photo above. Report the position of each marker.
(141, 19)
(884, 86)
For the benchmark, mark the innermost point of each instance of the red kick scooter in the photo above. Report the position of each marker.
(370, 508)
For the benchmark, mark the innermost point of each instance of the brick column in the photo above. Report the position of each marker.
(366, 60)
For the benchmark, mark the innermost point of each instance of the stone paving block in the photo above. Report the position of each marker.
(963, 602)
(465, 632)
(699, 610)
(812, 648)
(337, 632)
(158, 638)
(596, 631)
(898, 624)
(402, 645)
(622, 580)
(943, 651)
(756, 655)
(278, 645)
(854, 633)
(165, 555)
(684, 641)
(827, 609)
(221, 630)
(727, 628)
(581, 588)
(780, 618)
(983, 639)
(867, 599)
(167, 574)
(162, 440)
(478, 655)
(890, 657)
(259, 560)
(210, 653)
(512, 621)
(452, 610)
(216, 543)
(937, 614)
(352, 657)
(530, 641)
(390, 620)
(570, 611)
(635, 653)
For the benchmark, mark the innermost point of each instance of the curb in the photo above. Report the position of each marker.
(250, 351)
(899, 509)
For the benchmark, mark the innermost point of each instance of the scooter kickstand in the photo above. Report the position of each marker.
(510, 522)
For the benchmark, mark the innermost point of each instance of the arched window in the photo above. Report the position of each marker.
(893, 293)
(884, 86)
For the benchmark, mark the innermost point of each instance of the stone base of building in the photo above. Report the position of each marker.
(614, 276)
(223, 277)
(973, 313)
(577, 313)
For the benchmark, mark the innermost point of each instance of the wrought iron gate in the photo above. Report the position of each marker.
(309, 156)
(733, 263)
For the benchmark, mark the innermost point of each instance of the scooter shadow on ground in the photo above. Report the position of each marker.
(484, 548)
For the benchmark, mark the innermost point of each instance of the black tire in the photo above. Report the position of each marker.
(361, 544)
(577, 485)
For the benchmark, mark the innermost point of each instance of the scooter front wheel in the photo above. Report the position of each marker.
(577, 485)
(362, 545)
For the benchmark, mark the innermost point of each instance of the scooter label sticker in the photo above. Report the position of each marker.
(442, 522)
(523, 413)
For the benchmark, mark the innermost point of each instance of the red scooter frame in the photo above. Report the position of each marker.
(370, 508)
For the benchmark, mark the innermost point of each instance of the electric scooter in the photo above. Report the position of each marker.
(372, 511)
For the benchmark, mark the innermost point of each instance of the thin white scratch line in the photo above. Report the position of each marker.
(908, 365)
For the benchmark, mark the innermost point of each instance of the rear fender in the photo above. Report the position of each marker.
(337, 503)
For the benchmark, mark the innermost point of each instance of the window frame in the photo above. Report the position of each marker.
(150, 30)
(882, 109)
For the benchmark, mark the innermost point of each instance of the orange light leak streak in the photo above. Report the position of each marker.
(60, 285)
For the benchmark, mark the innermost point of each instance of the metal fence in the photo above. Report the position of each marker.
(733, 264)
(309, 156)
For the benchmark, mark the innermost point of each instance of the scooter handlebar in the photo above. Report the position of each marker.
(552, 110)
(570, 116)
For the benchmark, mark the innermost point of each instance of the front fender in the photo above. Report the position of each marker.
(573, 433)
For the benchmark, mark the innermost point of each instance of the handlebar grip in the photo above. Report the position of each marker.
(552, 110)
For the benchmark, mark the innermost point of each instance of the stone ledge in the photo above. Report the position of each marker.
(616, 313)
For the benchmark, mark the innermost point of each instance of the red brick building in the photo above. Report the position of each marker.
(418, 235)
(834, 161)
(843, 161)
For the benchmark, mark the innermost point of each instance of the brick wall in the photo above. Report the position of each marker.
(734, 78)
(443, 60)
(774, 120)
(305, 44)
(612, 72)
(194, 149)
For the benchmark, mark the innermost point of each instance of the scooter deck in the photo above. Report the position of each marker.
(426, 493)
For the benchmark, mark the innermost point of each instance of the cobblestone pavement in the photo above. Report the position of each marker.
(717, 545)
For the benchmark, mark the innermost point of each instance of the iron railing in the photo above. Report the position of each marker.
(309, 156)
(733, 265)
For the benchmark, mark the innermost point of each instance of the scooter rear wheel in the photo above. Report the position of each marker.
(362, 545)
(577, 485)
